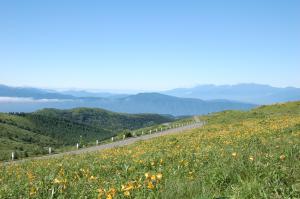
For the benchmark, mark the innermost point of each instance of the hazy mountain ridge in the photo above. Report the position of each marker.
(89, 94)
(249, 93)
(139, 103)
(34, 93)
(164, 104)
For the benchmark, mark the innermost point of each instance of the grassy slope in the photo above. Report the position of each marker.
(106, 119)
(26, 143)
(31, 134)
(252, 154)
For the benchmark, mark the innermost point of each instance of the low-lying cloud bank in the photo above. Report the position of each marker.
(29, 100)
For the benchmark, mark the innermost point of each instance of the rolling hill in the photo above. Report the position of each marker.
(29, 133)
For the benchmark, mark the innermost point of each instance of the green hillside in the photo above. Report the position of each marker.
(31, 134)
(105, 119)
(253, 154)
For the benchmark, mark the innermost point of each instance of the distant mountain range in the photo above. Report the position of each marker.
(35, 93)
(32, 99)
(83, 93)
(164, 104)
(182, 101)
(249, 93)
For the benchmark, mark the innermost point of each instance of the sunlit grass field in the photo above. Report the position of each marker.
(253, 154)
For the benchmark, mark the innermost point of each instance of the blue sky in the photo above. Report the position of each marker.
(149, 45)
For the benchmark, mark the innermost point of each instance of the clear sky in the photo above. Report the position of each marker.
(149, 45)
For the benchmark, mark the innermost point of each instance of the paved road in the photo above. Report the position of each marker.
(116, 143)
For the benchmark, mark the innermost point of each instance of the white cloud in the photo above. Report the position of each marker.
(29, 100)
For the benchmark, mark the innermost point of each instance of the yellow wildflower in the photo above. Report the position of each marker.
(147, 175)
(30, 176)
(56, 181)
(32, 191)
(282, 157)
(150, 185)
(100, 192)
(159, 176)
(112, 192)
(127, 193)
(127, 187)
(153, 177)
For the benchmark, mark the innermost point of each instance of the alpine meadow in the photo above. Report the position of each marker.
(150, 99)
(253, 154)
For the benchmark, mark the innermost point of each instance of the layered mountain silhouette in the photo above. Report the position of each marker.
(31, 99)
(249, 93)
(182, 101)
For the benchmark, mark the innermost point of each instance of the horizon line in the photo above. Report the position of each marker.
(127, 91)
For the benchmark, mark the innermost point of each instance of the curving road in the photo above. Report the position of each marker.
(117, 143)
